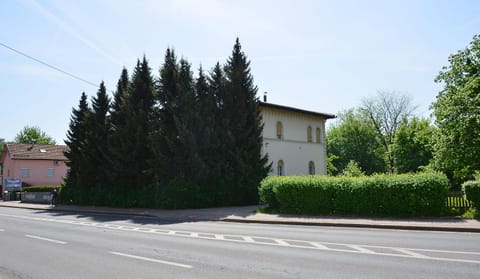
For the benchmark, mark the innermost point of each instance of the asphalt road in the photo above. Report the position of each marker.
(41, 244)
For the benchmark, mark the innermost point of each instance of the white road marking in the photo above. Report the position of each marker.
(150, 260)
(412, 253)
(281, 242)
(361, 249)
(319, 246)
(2, 230)
(46, 239)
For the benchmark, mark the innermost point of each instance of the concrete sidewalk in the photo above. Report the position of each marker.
(247, 214)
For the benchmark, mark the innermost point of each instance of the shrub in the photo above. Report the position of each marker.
(381, 195)
(472, 192)
(42, 188)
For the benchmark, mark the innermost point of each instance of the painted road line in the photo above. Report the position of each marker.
(2, 230)
(408, 252)
(45, 239)
(405, 252)
(361, 249)
(319, 246)
(150, 259)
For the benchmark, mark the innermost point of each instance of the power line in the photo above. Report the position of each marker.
(48, 65)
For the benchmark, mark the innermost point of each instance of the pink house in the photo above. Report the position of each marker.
(34, 164)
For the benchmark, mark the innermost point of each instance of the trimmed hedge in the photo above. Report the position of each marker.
(472, 192)
(421, 194)
(42, 188)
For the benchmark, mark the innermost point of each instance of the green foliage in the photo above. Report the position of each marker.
(413, 146)
(29, 135)
(354, 138)
(386, 112)
(131, 152)
(353, 169)
(42, 188)
(181, 142)
(77, 142)
(457, 114)
(380, 195)
(472, 192)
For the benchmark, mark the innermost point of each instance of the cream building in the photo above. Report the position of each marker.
(294, 140)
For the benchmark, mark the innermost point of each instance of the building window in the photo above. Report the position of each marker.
(311, 168)
(279, 130)
(280, 168)
(24, 172)
(318, 135)
(50, 172)
(309, 134)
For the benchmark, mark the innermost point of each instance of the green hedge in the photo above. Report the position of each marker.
(380, 195)
(42, 188)
(472, 192)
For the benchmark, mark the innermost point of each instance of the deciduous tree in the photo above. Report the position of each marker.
(33, 134)
(457, 114)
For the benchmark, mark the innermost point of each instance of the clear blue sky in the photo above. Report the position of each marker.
(317, 55)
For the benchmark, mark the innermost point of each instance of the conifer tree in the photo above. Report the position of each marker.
(164, 134)
(221, 166)
(132, 153)
(122, 87)
(245, 125)
(76, 142)
(204, 130)
(98, 151)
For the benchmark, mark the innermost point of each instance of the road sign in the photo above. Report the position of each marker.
(13, 184)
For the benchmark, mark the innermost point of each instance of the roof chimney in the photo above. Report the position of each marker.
(33, 144)
(265, 96)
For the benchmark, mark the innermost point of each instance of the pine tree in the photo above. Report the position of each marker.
(165, 134)
(204, 131)
(98, 151)
(245, 126)
(219, 152)
(122, 87)
(132, 153)
(175, 140)
(76, 141)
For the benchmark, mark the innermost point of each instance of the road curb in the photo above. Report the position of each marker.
(357, 225)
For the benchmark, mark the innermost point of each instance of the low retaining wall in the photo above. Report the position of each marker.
(37, 197)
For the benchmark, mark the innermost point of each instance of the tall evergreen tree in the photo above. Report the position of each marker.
(98, 147)
(76, 141)
(117, 126)
(205, 131)
(245, 126)
(221, 165)
(165, 134)
(118, 96)
(133, 151)
(176, 141)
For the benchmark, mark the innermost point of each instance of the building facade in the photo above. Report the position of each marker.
(34, 164)
(294, 140)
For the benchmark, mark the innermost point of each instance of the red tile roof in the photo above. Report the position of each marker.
(36, 151)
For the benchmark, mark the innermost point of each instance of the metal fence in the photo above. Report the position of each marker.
(456, 200)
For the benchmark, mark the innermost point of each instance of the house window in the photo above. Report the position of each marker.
(311, 168)
(279, 130)
(280, 168)
(50, 172)
(24, 172)
(309, 134)
(318, 135)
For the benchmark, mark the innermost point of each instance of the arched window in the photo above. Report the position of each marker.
(279, 130)
(280, 168)
(311, 168)
(309, 134)
(318, 135)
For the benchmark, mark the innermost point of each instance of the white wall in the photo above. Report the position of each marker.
(294, 149)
